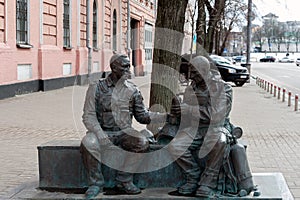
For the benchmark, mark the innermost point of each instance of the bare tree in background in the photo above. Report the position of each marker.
(297, 38)
(257, 37)
(216, 20)
(191, 14)
(201, 27)
(234, 16)
(215, 10)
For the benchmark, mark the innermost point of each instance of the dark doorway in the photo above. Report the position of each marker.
(134, 24)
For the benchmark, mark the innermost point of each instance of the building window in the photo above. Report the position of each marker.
(2, 22)
(148, 34)
(66, 23)
(114, 30)
(96, 67)
(22, 22)
(148, 54)
(67, 69)
(148, 41)
(95, 27)
(24, 72)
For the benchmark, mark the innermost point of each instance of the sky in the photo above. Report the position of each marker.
(286, 10)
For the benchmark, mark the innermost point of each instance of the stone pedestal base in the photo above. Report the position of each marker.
(62, 175)
(271, 185)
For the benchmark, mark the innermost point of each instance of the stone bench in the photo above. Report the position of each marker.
(61, 169)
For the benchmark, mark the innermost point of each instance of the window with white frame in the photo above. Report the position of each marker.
(148, 41)
(95, 27)
(3, 17)
(66, 24)
(22, 22)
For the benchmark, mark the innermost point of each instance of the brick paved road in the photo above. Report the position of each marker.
(271, 129)
(29, 120)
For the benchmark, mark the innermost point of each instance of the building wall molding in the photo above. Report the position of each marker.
(11, 90)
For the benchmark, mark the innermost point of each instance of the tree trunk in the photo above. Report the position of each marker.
(215, 14)
(224, 42)
(167, 52)
(210, 36)
(201, 26)
(216, 43)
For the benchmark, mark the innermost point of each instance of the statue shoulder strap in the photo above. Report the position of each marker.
(102, 86)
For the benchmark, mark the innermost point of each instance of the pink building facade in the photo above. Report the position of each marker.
(50, 44)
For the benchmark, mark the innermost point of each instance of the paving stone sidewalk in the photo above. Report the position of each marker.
(271, 129)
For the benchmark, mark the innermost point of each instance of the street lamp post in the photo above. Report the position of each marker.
(249, 19)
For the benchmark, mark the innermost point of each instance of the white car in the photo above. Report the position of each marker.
(230, 59)
(286, 60)
(244, 62)
(298, 61)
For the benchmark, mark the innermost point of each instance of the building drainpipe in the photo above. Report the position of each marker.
(128, 36)
(88, 39)
(128, 28)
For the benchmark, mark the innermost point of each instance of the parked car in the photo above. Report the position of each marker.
(286, 59)
(267, 59)
(229, 72)
(298, 61)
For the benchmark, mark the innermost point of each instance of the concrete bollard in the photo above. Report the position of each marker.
(275, 87)
(259, 83)
(289, 98)
(278, 92)
(283, 95)
(268, 89)
(296, 102)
